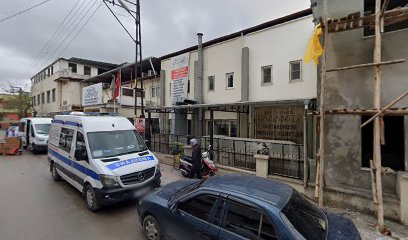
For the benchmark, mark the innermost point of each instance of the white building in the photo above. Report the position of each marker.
(57, 87)
(260, 68)
(125, 104)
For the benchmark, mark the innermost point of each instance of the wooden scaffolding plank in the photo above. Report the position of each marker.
(366, 65)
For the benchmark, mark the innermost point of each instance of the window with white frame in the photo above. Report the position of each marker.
(224, 127)
(158, 91)
(295, 71)
(211, 83)
(266, 75)
(153, 92)
(230, 80)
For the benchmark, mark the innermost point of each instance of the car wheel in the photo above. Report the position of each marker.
(90, 198)
(54, 173)
(151, 228)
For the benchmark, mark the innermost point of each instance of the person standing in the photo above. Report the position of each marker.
(196, 160)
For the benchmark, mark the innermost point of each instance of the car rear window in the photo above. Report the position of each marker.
(306, 218)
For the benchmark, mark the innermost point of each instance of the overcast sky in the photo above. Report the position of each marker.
(167, 26)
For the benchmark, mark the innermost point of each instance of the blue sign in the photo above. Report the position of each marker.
(122, 163)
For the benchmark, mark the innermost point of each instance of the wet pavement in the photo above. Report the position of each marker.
(33, 206)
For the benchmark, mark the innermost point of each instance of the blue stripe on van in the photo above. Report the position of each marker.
(122, 163)
(75, 165)
(75, 124)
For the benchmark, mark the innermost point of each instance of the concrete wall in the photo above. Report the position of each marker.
(353, 89)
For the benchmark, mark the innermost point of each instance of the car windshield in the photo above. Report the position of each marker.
(115, 143)
(306, 218)
(186, 189)
(42, 128)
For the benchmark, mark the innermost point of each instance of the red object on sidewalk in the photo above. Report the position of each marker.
(117, 86)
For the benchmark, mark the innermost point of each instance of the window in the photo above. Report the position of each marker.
(218, 212)
(53, 95)
(65, 140)
(158, 92)
(369, 5)
(153, 91)
(80, 141)
(224, 128)
(211, 83)
(230, 80)
(48, 72)
(87, 70)
(34, 101)
(73, 67)
(242, 220)
(393, 152)
(188, 86)
(199, 206)
(48, 96)
(38, 99)
(52, 70)
(42, 98)
(266, 75)
(170, 89)
(129, 92)
(295, 70)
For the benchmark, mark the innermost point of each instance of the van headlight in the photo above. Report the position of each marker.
(108, 181)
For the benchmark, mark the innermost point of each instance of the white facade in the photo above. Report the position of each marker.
(57, 88)
(276, 46)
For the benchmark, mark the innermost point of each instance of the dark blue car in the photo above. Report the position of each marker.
(237, 207)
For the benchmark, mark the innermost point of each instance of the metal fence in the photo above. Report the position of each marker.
(285, 159)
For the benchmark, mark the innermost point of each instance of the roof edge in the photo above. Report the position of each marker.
(277, 21)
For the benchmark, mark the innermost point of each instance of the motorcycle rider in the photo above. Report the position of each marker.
(196, 159)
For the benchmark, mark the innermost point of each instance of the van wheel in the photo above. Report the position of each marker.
(54, 173)
(151, 228)
(90, 198)
(33, 148)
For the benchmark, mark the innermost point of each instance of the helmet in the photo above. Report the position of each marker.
(193, 141)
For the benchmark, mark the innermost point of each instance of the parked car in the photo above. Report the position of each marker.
(237, 207)
(103, 157)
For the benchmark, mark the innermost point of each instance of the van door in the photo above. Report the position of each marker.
(64, 151)
(80, 164)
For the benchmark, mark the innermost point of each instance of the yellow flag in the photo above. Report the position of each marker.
(314, 48)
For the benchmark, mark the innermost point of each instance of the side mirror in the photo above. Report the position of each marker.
(173, 208)
(80, 155)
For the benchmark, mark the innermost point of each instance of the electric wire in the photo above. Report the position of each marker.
(80, 30)
(130, 35)
(25, 10)
(52, 52)
(54, 34)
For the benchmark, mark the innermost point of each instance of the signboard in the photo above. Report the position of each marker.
(280, 123)
(179, 77)
(92, 95)
(140, 125)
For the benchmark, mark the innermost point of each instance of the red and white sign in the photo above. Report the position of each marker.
(140, 124)
(179, 76)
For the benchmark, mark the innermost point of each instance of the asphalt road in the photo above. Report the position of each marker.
(33, 206)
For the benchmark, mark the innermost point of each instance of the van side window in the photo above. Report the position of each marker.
(32, 131)
(65, 140)
(80, 141)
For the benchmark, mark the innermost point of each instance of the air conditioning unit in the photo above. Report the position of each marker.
(150, 73)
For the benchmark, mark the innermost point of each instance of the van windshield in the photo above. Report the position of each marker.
(115, 143)
(42, 128)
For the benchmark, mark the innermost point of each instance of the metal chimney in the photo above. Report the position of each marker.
(199, 93)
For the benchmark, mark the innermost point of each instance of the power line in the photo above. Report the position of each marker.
(130, 35)
(26, 10)
(54, 50)
(49, 42)
(80, 30)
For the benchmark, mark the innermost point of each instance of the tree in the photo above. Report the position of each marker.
(20, 102)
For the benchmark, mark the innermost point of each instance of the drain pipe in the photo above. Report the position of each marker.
(199, 93)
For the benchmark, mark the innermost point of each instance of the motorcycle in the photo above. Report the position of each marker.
(208, 166)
